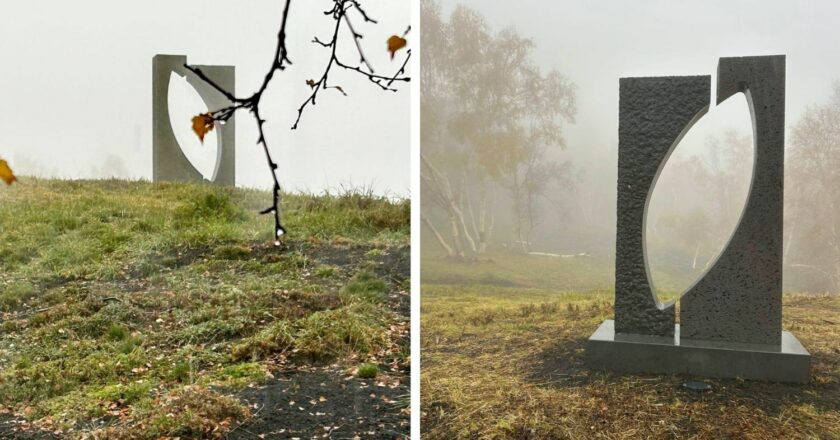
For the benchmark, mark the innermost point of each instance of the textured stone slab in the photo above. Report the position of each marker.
(787, 362)
(731, 318)
(654, 114)
(169, 163)
(740, 298)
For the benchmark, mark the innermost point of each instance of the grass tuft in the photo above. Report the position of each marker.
(232, 252)
(14, 295)
(368, 371)
(277, 337)
(191, 412)
(364, 286)
(357, 328)
(117, 332)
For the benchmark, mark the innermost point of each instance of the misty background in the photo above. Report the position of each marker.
(76, 83)
(554, 196)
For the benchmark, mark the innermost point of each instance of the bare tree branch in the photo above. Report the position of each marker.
(279, 63)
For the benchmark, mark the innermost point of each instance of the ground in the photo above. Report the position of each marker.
(502, 358)
(140, 310)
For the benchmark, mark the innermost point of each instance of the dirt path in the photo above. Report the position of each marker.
(14, 429)
(326, 403)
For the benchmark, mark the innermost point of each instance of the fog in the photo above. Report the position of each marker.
(76, 84)
(593, 44)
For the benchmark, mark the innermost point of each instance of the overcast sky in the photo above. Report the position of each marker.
(594, 43)
(75, 89)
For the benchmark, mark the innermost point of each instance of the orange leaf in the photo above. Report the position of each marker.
(6, 173)
(396, 43)
(203, 124)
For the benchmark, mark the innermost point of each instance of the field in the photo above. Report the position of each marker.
(140, 310)
(502, 358)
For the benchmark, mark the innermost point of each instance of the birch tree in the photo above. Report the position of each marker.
(813, 193)
(490, 118)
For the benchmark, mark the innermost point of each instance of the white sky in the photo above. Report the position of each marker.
(75, 88)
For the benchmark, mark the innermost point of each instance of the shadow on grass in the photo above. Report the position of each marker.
(561, 366)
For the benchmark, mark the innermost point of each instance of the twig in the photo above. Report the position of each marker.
(279, 63)
(252, 103)
(339, 14)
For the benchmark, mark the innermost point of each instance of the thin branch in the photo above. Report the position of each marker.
(339, 13)
(401, 71)
(356, 39)
(362, 12)
(212, 83)
(279, 63)
(252, 103)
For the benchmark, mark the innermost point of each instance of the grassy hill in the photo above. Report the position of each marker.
(140, 310)
(502, 355)
(533, 271)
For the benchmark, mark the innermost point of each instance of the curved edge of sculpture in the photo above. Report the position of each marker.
(739, 298)
(220, 129)
(670, 303)
(742, 210)
(654, 114)
(169, 161)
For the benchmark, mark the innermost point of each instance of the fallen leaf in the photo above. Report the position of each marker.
(396, 43)
(203, 124)
(6, 173)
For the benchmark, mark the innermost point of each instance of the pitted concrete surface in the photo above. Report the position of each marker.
(731, 317)
(654, 114)
(169, 163)
(740, 297)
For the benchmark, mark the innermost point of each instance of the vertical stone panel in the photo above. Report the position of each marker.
(740, 298)
(654, 115)
(169, 163)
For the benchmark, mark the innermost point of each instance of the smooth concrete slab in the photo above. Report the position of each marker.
(788, 362)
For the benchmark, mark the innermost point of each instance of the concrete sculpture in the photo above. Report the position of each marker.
(731, 317)
(169, 163)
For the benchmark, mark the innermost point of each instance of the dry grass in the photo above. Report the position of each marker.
(504, 363)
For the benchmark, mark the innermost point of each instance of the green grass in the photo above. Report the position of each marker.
(532, 272)
(146, 306)
(364, 286)
(368, 371)
(502, 358)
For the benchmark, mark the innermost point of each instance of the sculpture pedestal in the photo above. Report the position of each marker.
(657, 354)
